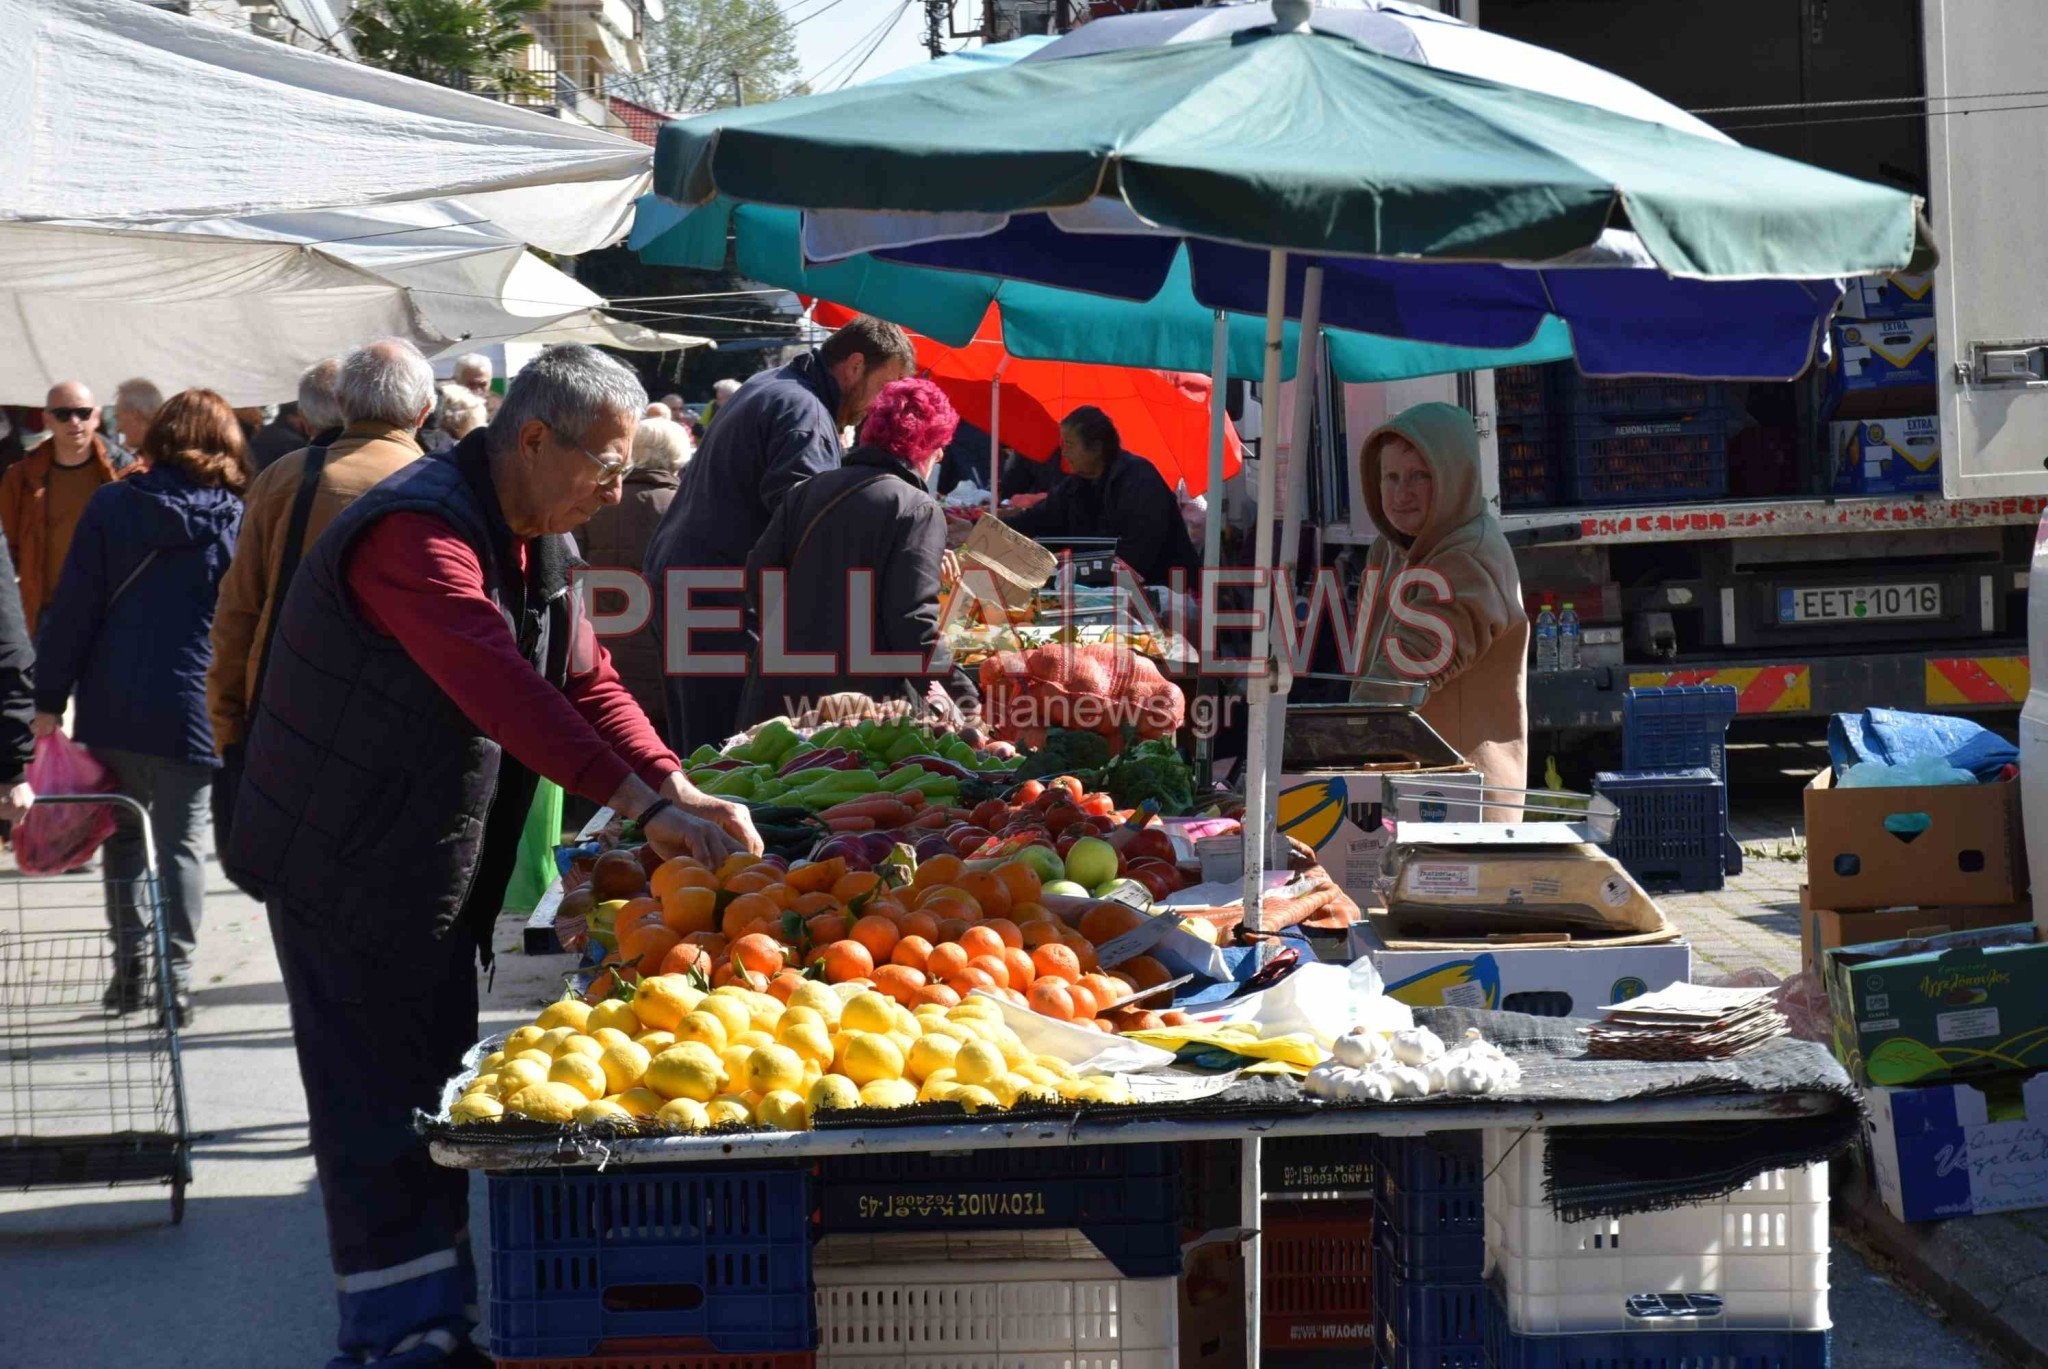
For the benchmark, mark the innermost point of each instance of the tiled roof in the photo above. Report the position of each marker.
(640, 121)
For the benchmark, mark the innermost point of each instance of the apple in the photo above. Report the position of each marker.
(1045, 863)
(1092, 861)
(1065, 888)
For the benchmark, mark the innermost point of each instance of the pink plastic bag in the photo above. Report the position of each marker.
(56, 838)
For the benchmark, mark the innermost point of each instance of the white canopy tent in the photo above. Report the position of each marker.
(243, 305)
(204, 207)
(119, 113)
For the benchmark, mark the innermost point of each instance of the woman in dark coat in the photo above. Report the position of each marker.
(616, 538)
(866, 539)
(128, 634)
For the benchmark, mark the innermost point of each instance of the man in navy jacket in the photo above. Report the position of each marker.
(781, 429)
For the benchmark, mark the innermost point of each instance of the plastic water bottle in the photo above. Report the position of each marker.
(1546, 640)
(1568, 639)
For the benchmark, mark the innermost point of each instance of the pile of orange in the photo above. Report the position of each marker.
(947, 932)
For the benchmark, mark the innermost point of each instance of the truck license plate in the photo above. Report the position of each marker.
(1858, 603)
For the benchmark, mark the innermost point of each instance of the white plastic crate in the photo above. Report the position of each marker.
(1762, 1250)
(973, 1312)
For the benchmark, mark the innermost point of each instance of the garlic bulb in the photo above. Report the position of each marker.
(1470, 1076)
(1369, 1087)
(1404, 1081)
(1359, 1047)
(1416, 1046)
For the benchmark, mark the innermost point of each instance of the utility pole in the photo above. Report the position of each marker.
(938, 17)
(739, 91)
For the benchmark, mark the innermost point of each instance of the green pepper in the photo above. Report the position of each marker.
(896, 781)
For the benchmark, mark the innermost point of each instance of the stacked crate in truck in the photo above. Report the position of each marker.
(1642, 441)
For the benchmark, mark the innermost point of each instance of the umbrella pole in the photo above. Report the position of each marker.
(1219, 414)
(1258, 811)
(995, 437)
(1308, 358)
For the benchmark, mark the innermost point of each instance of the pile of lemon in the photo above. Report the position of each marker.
(673, 1057)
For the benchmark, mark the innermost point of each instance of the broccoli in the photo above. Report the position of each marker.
(1152, 770)
(1066, 752)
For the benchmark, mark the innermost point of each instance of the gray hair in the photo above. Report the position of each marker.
(462, 410)
(722, 390)
(569, 387)
(138, 397)
(474, 363)
(318, 405)
(386, 381)
(661, 444)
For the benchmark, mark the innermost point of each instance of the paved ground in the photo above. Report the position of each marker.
(100, 1277)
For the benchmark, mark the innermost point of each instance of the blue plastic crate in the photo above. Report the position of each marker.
(1520, 391)
(1530, 472)
(1672, 832)
(717, 1260)
(1619, 396)
(1124, 1199)
(1652, 1349)
(1433, 1322)
(1676, 727)
(1432, 1206)
(1643, 459)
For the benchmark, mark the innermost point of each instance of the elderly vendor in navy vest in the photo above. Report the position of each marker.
(428, 664)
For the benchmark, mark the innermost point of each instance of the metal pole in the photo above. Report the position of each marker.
(995, 436)
(739, 91)
(1258, 811)
(1219, 414)
(1308, 356)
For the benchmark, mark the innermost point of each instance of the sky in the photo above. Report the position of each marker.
(832, 36)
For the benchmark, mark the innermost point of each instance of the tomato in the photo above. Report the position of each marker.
(1151, 843)
(1159, 880)
(965, 840)
(1058, 819)
(1097, 805)
(1028, 791)
(1070, 785)
(990, 815)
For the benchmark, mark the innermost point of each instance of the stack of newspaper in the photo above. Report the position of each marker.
(1686, 1022)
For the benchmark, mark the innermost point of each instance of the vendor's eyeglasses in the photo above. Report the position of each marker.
(614, 467)
(71, 415)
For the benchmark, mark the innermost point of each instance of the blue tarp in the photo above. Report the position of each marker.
(1890, 736)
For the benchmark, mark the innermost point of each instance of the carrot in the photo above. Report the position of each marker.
(912, 797)
(851, 824)
(887, 811)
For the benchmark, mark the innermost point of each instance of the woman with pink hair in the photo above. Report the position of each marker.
(843, 587)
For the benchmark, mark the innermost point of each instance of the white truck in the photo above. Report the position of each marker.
(1807, 600)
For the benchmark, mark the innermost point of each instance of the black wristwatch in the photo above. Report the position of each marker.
(661, 801)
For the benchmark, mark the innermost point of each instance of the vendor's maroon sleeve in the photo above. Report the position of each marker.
(416, 581)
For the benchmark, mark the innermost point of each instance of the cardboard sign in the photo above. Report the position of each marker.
(1161, 937)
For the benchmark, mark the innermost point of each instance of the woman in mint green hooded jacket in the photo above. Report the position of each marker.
(1454, 620)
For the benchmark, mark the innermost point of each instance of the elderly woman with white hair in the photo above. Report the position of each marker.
(616, 538)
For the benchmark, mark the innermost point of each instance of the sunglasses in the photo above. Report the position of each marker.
(72, 415)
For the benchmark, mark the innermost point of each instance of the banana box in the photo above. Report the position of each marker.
(1881, 355)
(1559, 979)
(1346, 817)
(1886, 455)
(1900, 294)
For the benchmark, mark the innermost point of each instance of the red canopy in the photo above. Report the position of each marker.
(1162, 416)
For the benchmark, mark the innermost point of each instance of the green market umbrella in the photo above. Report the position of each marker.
(1441, 207)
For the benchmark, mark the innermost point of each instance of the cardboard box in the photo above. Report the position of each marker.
(1955, 1150)
(1898, 295)
(1882, 354)
(1886, 455)
(1922, 846)
(1824, 929)
(1344, 817)
(1926, 1010)
(1548, 981)
(997, 559)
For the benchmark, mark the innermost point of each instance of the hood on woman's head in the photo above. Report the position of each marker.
(1447, 440)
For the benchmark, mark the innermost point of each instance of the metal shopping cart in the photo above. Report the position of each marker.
(91, 1099)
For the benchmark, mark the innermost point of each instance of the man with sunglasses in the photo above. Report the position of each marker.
(430, 661)
(42, 495)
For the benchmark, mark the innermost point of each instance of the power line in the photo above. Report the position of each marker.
(1879, 118)
(1880, 100)
(873, 37)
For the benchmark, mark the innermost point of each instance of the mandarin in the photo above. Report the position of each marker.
(746, 910)
(1041, 933)
(994, 967)
(913, 951)
(878, 934)
(1106, 922)
(1054, 998)
(980, 940)
(1057, 961)
(691, 908)
(751, 881)
(1022, 971)
(845, 960)
(988, 891)
(853, 884)
(1146, 972)
(813, 903)
(758, 954)
(900, 982)
(946, 960)
(943, 995)
(1022, 884)
(919, 923)
(681, 872)
(936, 871)
(1010, 932)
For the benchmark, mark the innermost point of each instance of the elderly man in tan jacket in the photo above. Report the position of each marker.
(386, 391)
(1447, 606)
